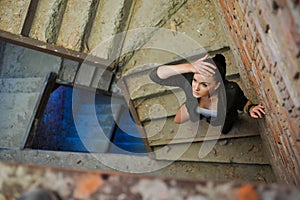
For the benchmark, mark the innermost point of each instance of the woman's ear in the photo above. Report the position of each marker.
(217, 85)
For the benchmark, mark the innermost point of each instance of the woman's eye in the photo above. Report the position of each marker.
(205, 84)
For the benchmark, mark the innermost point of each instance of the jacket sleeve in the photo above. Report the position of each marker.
(183, 81)
(179, 80)
(241, 99)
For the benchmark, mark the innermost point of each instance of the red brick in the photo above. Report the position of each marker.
(223, 5)
(243, 5)
(245, 59)
(238, 11)
(251, 25)
(270, 61)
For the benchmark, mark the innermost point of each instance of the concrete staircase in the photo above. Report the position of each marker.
(156, 106)
(236, 156)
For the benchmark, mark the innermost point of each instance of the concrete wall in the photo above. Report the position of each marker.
(266, 43)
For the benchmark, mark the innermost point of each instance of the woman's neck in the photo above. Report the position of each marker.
(209, 102)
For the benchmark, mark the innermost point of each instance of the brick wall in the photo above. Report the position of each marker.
(265, 38)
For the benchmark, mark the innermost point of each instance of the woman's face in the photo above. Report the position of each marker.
(203, 86)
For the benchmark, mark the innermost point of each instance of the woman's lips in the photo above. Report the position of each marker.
(195, 93)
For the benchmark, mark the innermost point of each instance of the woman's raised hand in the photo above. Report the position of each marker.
(203, 68)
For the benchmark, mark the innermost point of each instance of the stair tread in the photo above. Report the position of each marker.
(107, 23)
(46, 21)
(18, 100)
(140, 85)
(71, 33)
(16, 112)
(12, 136)
(159, 107)
(13, 21)
(178, 169)
(20, 85)
(165, 131)
(221, 171)
(236, 150)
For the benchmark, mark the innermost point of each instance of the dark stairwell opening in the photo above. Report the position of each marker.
(63, 128)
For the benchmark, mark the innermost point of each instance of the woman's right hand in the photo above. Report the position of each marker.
(202, 67)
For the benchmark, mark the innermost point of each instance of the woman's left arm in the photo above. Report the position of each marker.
(254, 110)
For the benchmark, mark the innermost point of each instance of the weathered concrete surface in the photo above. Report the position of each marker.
(193, 28)
(102, 79)
(16, 111)
(68, 71)
(160, 107)
(22, 73)
(110, 19)
(47, 20)
(135, 164)
(13, 14)
(23, 85)
(85, 75)
(75, 24)
(165, 131)
(147, 16)
(88, 75)
(237, 150)
(21, 62)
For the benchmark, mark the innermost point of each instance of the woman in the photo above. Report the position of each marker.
(208, 94)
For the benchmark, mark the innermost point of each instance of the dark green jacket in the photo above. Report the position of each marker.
(229, 94)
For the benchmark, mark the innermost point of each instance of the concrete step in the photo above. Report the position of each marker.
(47, 20)
(18, 101)
(21, 62)
(12, 15)
(147, 14)
(235, 150)
(219, 171)
(111, 18)
(76, 23)
(160, 106)
(16, 111)
(178, 169)
(20, 85)
(165, 131)
(140, 85)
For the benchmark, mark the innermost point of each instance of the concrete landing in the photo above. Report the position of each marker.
(239, 150)
(134, 164)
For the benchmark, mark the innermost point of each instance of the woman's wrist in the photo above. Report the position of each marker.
(250, 106)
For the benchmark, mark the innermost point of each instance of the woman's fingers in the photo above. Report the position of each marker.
(204, 57)
(205, 68)
(258, 111)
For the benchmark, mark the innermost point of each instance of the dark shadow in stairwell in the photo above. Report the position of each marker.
(57, 131)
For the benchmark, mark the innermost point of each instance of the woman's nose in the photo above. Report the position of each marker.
(197, 86)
